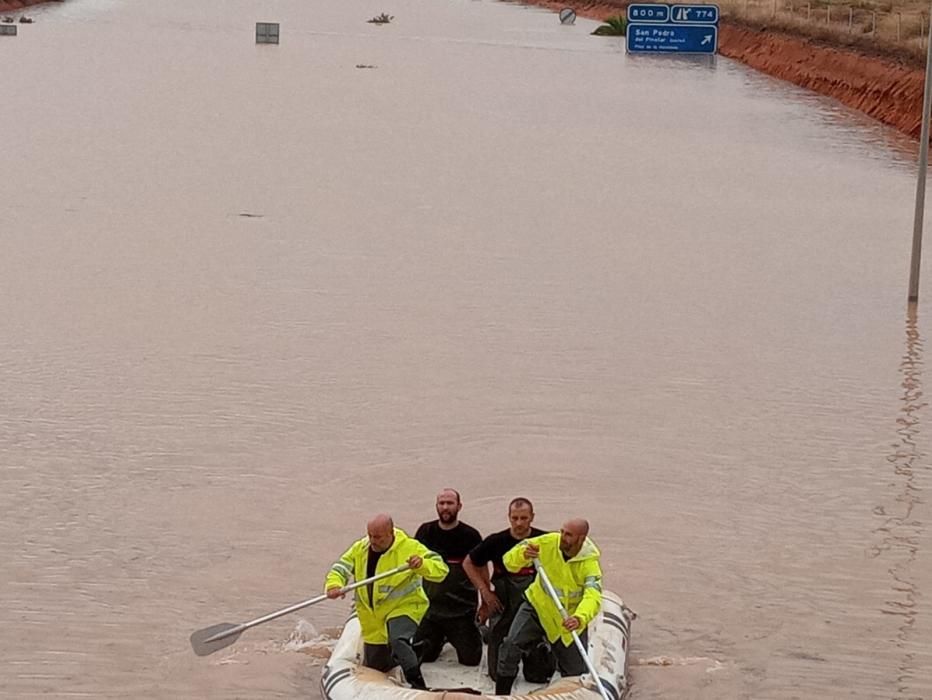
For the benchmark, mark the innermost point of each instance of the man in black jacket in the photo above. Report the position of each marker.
(453, 602)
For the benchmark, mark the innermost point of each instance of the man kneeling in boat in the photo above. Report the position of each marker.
(571, 561)
(453, 603)
(500, 605)
(389, 611)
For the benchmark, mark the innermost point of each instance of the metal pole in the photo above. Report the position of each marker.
(921, 178)
(576, 640)
(305, 604)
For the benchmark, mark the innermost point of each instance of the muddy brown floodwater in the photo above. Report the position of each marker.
(251, 295)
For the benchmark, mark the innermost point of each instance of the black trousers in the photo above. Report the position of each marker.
(398, 652)
(525, 633)
(537, 662)
(461, 632)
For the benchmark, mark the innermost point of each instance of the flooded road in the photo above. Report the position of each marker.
(251, 295)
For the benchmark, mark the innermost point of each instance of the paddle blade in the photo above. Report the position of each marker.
(215, 638)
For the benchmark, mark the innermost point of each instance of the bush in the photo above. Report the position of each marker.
(614, 26)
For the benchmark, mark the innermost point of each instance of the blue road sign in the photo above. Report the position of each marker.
(672, 38)
(694, 14)
(653, 12)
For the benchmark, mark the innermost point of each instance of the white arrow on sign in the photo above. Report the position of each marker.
(706, 39)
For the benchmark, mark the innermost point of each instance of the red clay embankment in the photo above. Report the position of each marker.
(884, 89)
(12, 5)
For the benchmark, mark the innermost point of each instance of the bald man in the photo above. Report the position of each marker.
(453, 603)
(571, 561)
(390, 609)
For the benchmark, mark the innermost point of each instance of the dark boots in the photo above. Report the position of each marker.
(503, 685)
(416, 679)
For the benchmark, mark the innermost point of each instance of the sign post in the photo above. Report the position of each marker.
(916, 256)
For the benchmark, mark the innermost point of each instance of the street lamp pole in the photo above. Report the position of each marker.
(921, 179)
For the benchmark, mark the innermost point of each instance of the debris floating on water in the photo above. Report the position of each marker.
(714, 665)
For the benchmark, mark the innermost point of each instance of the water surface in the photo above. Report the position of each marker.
(666, 295)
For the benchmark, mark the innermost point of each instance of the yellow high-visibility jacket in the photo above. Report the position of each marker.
(578, 583)
(394, 596)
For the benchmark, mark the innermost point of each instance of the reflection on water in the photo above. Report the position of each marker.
(852, 126)
(901, 532)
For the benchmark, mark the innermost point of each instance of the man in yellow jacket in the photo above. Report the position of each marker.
(571, 561)
(390, 609)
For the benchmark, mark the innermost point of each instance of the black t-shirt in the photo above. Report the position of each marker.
(509, 586)
(495, 546)
(455, 595)
(371, 563)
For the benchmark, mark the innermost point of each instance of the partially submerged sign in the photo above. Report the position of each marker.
(567, 15)
(661, 28)
(267, 32)
(8, 29)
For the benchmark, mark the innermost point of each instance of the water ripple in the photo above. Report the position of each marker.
(900, 531)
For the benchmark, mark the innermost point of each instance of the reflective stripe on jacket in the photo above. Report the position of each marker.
(578, 583)
(395, 596)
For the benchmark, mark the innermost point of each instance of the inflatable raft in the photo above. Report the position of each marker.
(344, 678)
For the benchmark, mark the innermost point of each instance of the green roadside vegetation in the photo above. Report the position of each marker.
(613, 26)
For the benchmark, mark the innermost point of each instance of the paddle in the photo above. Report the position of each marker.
(216, 637)
(576, 639)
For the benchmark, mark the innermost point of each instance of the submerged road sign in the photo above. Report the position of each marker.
(267, 32)
(661, 28)
(672, 38)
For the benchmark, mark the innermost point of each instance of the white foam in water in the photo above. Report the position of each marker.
(305, 638)
(303, 631)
